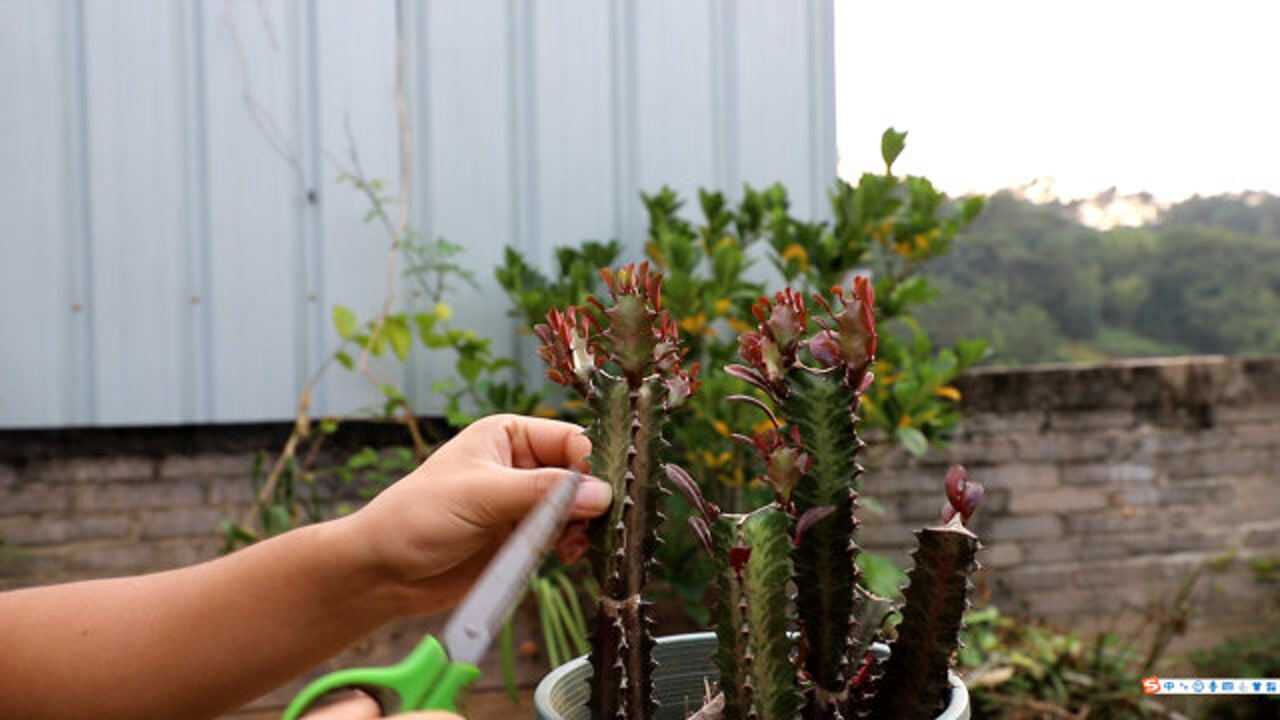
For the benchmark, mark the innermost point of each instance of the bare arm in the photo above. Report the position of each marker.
(194, 642)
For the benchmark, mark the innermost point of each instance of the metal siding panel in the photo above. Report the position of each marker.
(147, 182)
(256, 192)
(822, 104)
(773, 97)
(469, 153)
(674, 102)
(356, 92)
(136, 180)
(575, 178)
(36, 294)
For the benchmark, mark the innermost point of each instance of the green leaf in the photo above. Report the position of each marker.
(507, 654)
(426, 323)
(880, 575)
(891, 145)
(366, 458)
(913, 441)
(276, 520)
(344, 360)
(344, 321)
(391, 392)
(397, 330)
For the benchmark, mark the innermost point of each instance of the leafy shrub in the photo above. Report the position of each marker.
(886, 226)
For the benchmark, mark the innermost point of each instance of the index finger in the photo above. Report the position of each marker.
(542, 442)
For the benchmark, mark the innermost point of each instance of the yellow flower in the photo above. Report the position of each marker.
(796, 253)
(921, 242)
(720, 427)
(573, 404)
(948, 392)
(545, 411)
(761, 426)
(904, 421)
(739, 326)
(694, 324)
(723, 306)
(442, 311)
(714, 460)
(651, 249)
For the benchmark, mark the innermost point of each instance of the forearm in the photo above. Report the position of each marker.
(193, 642)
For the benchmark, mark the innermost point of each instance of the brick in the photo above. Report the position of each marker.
(87, 470)
(1205, 493)
(129, 497)
(1228, 415)
(1000, 423)
(1064, 500)
(1034, 553)
(179, 467)
(1001, 555)
(886, 535)
(25, 530)
(1112, 522)
(1215, 463)
(138, 557)
(1263, 537)
(1118, 575)
(902, 481)
(983, 449)
(1033, 579)
(30, 498)
(1137, 497)
(181, 522)
(1108, 474)
(1016, 476)
(1092, 420)
(916, 508)
(1024, 528)
(231, 491)
(1255, 434)
(1066, 447)
(1057, 602)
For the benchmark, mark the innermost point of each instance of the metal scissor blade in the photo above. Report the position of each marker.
(477, 620)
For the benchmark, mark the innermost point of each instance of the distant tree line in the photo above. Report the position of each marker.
(1042, 287)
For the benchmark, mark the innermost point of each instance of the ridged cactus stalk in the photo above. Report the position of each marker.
(623, 357)
(795, 628)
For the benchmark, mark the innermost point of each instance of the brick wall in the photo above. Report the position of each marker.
(1106, 486)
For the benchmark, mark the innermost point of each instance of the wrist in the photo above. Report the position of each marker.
(362, 577)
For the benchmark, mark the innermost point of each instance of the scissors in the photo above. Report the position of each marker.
(434, 675)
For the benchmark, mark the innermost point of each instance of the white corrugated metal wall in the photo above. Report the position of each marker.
(161, 263)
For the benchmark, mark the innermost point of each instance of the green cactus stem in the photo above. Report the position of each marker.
(753, 567)
(813, 464)
(915, 684)
(623, 358)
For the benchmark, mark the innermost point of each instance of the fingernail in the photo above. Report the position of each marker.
(593, 495)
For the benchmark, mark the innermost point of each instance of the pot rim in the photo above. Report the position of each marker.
(542, 694)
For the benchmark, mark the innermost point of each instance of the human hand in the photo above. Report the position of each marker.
(356, 705)
(434, 531)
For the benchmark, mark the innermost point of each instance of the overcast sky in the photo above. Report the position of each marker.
(1172, 97)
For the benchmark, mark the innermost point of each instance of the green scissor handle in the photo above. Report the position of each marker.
(425, 680)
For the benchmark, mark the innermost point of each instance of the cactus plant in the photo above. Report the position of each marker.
(623, 358)
(795, 628)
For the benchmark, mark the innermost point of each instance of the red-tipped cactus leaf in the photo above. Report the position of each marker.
(811, 517)
(573, 543)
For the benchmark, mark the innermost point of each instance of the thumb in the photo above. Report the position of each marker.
(512, 493)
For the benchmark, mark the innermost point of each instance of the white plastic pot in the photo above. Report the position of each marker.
(684, 664)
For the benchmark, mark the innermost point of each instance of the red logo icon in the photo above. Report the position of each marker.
(1151, 685)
